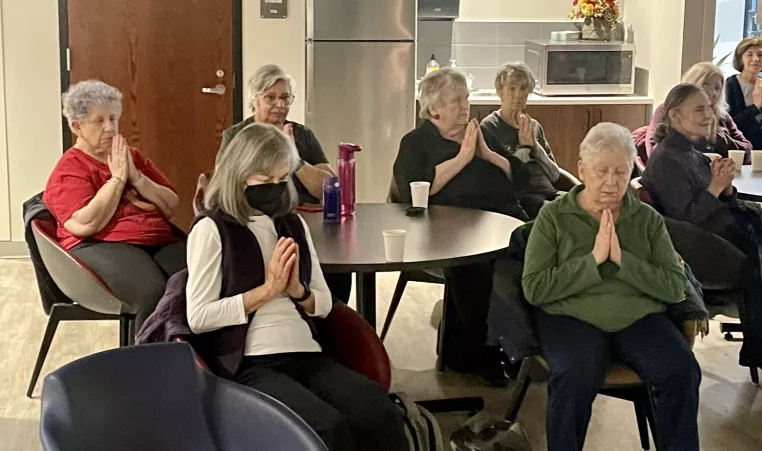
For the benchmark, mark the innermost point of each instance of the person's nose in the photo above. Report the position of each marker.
(109, 127)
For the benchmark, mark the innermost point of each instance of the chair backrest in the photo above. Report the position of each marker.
(566, 180)
(198, 197)
(154, 397)
(349, 339)
(641, 191)
(74, 279)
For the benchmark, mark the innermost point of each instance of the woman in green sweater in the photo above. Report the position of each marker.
(601, 268)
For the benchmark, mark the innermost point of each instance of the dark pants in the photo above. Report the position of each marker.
(533, 202)
(136, 274)
(347, 410)
(467, 296)
(340, 286)
(578, 355)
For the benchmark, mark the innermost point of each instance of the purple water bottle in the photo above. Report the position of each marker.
(331, 200)
(346, 165)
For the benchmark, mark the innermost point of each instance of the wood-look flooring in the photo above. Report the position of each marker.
(731, 406)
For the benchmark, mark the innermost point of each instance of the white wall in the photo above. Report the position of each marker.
(493, 10)
(31, 72)
(658, 33)
(5, 222)
(277, 41)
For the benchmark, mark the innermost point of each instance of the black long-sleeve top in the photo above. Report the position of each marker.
(480, 185)
(744, 116)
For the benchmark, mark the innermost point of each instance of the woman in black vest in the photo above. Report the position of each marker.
(259, 310)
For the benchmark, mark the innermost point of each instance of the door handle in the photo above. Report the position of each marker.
(220, 90)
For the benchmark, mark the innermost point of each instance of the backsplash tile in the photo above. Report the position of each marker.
(507, 53)
(475, 33)
(475, 55)
(484, 77)
(515, 33)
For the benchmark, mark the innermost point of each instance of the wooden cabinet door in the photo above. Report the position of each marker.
(479, 112)
(630, 116)
(565, 127)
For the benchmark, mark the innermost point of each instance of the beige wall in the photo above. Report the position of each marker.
(32, 125)
(546, 10)
(5, 221)
(657, 27)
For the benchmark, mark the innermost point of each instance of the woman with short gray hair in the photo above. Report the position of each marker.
(252, 266)
(600, 269)
(271, 93)
(112, 204)
(465, 168)
(522, 136)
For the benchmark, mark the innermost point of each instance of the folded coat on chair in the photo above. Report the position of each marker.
(511, 317)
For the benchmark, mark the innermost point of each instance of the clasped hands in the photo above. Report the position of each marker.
(723, 173)
(606, 241)
(282, 274)
(474, 145)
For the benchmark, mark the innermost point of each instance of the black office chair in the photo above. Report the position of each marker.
(155, 397)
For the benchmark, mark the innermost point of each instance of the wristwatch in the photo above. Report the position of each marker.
(305, 296)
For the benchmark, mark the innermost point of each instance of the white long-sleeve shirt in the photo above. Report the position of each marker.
(277, 326)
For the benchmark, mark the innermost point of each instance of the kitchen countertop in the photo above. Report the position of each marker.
(489, 98)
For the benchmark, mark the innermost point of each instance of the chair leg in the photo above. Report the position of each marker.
(126, 330)
(641, 415)
(399, 290)
(754, 375)
(523, 380)
(47, 339)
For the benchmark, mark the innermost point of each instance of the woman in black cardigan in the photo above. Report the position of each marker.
(744, 90)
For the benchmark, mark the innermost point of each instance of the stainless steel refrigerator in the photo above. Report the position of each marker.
(361, 83)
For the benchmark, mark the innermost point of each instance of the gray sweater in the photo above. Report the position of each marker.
(539, 159)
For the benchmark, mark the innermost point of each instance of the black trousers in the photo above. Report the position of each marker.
(468, 290)
(347, 410)
(340, 286)
(136, 274)
(578, 355)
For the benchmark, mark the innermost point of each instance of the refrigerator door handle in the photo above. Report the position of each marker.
(309, 81)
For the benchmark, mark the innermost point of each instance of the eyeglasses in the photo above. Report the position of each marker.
(271, 99)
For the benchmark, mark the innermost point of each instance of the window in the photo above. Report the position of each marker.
(750, 27)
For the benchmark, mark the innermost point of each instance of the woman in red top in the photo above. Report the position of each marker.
(112, 204)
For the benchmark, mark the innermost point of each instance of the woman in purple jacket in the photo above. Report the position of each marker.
(724, 135)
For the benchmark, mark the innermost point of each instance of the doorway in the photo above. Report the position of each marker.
(178, 64)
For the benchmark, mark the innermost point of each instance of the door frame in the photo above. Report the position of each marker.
(238, 85)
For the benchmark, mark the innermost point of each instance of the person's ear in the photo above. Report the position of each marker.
(76, 127)
(581, 171)
(674, 116)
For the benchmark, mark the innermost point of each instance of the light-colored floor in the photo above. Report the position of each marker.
(731, 407)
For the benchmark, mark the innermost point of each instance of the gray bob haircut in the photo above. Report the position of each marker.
(608, 137)
(434, 84)
(264, 78)
(82, 96)
(514, 73)
(257, 149)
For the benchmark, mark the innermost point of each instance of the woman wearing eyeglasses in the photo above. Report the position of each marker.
(271, 95)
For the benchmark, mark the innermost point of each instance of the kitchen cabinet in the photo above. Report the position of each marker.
(566, 125)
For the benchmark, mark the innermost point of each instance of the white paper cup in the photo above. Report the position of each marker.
(394, 244)
(737, 156)
(756, 160)
(419, 191)
(713, 156)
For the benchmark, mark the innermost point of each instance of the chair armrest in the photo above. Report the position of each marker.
(349, 339)
(199, 362)
(566, 181)
(690, 330)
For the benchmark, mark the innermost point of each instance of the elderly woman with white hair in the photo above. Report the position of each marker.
(601, 269)
(112, 204)
(522, 136)
(466, 167)
(254, 279)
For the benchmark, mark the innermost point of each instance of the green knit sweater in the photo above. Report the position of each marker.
(561, 276)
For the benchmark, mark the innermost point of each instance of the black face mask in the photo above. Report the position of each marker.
(269, 198)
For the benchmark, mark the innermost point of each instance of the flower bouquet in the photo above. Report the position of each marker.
(600, 17)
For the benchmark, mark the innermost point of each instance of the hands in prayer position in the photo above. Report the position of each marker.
(526, 130)
(606, 241)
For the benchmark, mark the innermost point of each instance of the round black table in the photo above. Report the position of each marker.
(748, 183)
(443, 237)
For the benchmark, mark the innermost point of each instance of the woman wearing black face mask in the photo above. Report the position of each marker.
(261, 308)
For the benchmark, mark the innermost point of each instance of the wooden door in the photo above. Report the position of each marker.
(565, 127)
(161, 54)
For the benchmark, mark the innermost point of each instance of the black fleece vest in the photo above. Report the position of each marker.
(243, 269)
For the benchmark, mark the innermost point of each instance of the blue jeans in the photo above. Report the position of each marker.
(578, 355)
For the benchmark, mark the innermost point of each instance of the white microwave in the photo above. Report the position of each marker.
(581, 67)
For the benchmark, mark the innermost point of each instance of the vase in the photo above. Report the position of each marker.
(596, 29)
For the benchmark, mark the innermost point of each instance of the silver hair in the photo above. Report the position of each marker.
(608, 137)
(82, 96)
(257, 149)
(264, 78)
(434, 84)
(514, 73)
